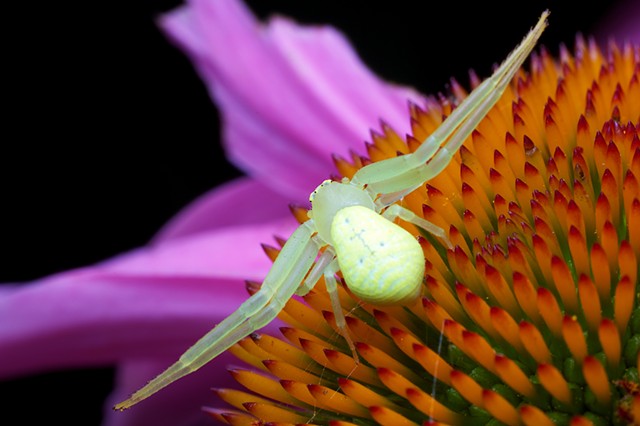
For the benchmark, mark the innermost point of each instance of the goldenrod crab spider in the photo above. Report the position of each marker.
(351, 223)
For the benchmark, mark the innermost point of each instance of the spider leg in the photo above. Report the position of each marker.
(387, 199)
(396, 211)
(407, 172)
(317, 270)
(328, 264)
(332, 288)
(287, 272)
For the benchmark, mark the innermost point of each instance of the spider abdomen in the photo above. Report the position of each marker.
(382, 263)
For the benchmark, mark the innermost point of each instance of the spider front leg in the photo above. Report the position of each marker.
(286, 275)
(399, 176)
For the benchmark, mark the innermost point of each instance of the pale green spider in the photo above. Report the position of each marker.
(351, 222)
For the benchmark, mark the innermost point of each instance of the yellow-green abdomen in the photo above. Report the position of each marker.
(382, 263)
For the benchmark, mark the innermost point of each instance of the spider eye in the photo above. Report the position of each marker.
(315, 191)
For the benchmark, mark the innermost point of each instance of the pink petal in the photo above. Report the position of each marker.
(621, 24)
(152, 302)
(230, 252)
(290, 96)
(177, 405)
(242, 201)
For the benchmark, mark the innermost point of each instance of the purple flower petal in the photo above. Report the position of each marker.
(621, 24)
(290, 96)
(242, 201)
(177, 405)
(152, 302)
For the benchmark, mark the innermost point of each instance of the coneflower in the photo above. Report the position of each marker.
(532, 318)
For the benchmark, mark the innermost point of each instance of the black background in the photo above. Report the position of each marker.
(108, 132)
